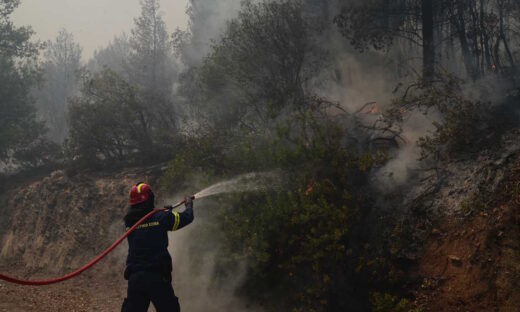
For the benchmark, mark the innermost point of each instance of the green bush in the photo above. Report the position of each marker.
(298, 240)
(22, 136)
(257, 70)
(388, 303)
(110, 123)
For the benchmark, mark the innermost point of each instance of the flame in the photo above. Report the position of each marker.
(374, 109)
(310, 186)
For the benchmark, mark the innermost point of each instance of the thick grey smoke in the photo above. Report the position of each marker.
(355, 79)
(358, 81)
(363, 83)
(195, 279)
(208, 19)
(406, 161)
(196, 250)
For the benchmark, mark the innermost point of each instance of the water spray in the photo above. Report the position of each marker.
(249, 182)
(243, 183)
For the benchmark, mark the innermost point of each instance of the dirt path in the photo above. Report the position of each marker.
(85, 293)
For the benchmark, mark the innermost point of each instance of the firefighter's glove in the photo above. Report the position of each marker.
(188, 202)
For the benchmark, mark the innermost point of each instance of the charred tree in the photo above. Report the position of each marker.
(459, 21)
(428, 40)
(502, 33)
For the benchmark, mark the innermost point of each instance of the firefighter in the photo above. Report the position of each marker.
(149, 265)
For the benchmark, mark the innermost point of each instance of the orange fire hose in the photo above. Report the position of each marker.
(88, 265)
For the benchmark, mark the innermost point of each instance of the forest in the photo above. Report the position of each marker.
(355, 103)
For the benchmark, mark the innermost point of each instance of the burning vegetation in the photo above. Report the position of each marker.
(391, 121)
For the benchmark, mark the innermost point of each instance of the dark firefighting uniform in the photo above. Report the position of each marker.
(149, 265)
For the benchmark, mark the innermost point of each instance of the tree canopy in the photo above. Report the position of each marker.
(61, 69)
(21, 135)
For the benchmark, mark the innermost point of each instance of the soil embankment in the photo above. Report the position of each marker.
(471, 257)
(56, 224)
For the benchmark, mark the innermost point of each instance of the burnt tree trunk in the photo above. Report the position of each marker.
(460, 24)
(428, 41)
(474, 38)
(501, 6)
(485, 37)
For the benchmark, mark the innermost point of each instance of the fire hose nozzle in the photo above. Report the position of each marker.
(182, 202)
(189, 200)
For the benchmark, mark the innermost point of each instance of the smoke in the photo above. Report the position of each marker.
(358, 81)
(352, 80)
(487, 89)
(197, 283)
(374, 77)
(406, 161)
(197, 248)
(371, 78)
(208, 19)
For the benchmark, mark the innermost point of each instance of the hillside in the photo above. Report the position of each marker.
(468, 227)
(464, 243)
(53, 225)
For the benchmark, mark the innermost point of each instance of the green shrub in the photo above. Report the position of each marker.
(110, 123)
(298, 239)
(388, 303)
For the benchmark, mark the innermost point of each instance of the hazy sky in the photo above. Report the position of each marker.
(92, 22)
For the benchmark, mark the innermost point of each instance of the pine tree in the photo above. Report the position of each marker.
(60, 69)
(151, 68)
(112, 56)
(21, 139)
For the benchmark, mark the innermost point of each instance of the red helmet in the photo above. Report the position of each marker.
(139, 193)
